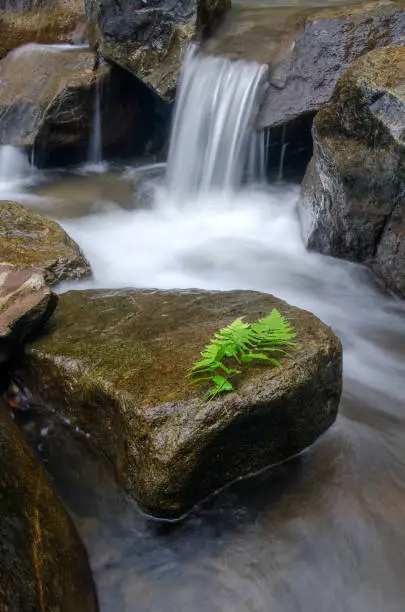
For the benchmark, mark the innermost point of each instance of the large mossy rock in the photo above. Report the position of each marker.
(43, 564)
(353, 195)
(45, 21)
(148, 38)
(28, 240)
(25, 304)
(307, 49)
(115, 364)
(48, 99)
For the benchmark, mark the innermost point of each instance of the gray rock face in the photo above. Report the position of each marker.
(116, 362)
(353, 195)
(43, 564)
(25, 304)
(307, 49)
(48, 97)
(147, 37)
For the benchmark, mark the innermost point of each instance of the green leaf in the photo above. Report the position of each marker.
(242, 342)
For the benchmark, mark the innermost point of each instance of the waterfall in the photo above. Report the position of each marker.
(213, 133)
(14, 164)
(96, 146)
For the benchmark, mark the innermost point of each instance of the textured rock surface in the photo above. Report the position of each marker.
(148, 39)
(47, 101)
(43, 564)
(27, 239)
(115, 363)
(46, 21)
(25, 304)
(353, 196)
(307, 49)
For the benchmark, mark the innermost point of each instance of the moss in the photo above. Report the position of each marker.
(115, 363)
(27, 239)
(55, 23)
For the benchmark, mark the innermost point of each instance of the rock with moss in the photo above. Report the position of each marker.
(43, 564)
(352, 203)
(25, 304)
(115, 363)
(48, 98)
(307, 49)
(40, 21)
(148, 39)
(29, 240)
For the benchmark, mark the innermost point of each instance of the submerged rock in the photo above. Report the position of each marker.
(29, 240)
(148, 39)
(45, 21)
(43, 564)
(48, 100)
(25, 304)
(353, 195)
(115, 364)
(307, 49)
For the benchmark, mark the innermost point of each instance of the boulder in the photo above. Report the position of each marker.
(148, 38)
(353, 203)
(48, 100)
(25, 304)
(389, 262)
(29, 240)
(307, 49)
(43, 564)
(115, 364)
(44, 21)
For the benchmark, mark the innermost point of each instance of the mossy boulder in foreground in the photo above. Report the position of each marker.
(29, 240)
(43, 564)
(115, 364)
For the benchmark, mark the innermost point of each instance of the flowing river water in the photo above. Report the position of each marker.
(324, 532)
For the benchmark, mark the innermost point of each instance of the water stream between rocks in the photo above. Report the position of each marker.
(325, 531)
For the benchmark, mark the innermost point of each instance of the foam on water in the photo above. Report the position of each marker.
(249, 240)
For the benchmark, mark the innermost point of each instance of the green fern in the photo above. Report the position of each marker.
(244, 343)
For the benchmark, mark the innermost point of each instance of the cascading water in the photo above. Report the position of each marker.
(324, 532)
(215, 111)
(14, 166)
(96, 145)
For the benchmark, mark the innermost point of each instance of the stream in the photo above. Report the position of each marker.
(324, 532)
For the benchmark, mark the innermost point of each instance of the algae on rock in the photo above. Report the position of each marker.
(353, 195)
(115, 364)
(29, 240)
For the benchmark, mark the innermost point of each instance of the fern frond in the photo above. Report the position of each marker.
(245, 343)
(273, 329)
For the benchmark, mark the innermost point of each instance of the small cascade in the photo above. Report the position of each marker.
(213, 143)
(95, 156)
(14, 165)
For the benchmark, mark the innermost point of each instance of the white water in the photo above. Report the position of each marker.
(95, 157)
(248, 238)
(15, 168)
(215, 111)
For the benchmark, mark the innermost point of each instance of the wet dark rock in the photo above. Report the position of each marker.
(115, 364)
(43, 564)
(39, 21)
(148, 38)
(29, 240)
(353, 195)
(47, 102)
(307, 49)
(25, 305)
